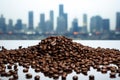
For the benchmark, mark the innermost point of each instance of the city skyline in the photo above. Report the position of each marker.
(20, 9)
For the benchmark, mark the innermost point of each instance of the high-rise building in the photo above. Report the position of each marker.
(51, 20)
(66, 21)
(30, 20)
(106, 25)
(42, 23)
(61, 10)
(2, 24)
(75, 27)
(118, 21)
(96, 24)
(18, 25)
(62, 16)
(48, 25)
(85, 23)
(61, 25)
(10, 26)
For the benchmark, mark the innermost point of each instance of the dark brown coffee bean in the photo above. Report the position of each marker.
(104, 70)
(75, 77)
(15, 76)
(112, 75)
(8, 74)
(37, 77)
(91, 77)
(9, 66)
(25, 70)
(37, 70)
(28, 76)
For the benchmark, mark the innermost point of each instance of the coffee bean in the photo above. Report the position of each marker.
(112, 75)
(25, 70)
(91, 77)
(37, 77)
(28, 75)
(75, 77)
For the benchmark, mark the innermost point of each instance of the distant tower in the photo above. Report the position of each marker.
(75, 27)
(61, 10)
(10, 26)
(62, 20)
(85, 23)
(61, 25)
(96, 24)
(2, 24)
(51, 20)
(42, 23)
(30, 20)
(18, 25)
(106, 25)
(118, 21)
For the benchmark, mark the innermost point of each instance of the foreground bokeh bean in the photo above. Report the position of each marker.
(59, 56)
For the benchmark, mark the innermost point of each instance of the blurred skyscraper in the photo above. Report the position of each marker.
(10, 26)
(2, 24)
(61, 10)
(106, 25)
(118, 21)
(30, 20)
(85, 23)
(75, 27)
(18, 26)
(62, 20)
(51, 26)
(96, 24)
(42, 23)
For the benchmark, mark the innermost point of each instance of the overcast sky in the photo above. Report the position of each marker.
(15, 9)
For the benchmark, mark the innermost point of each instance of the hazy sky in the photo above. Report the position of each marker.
(15, 9)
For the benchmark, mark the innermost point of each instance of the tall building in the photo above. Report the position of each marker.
(10, 26)
(48, 25)
(85, 23)
(106, 25)
(61, 10)
(118, 21)
(2, 24)
(30, 20)
(75, 27)
(66, 21)
(42, 23)
(51, 21)
(61, 25)
(62, 16)
(18, 25)
(96, 24)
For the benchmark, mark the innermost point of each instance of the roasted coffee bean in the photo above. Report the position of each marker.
(9, 66)
(3, 74)
(28, 75)
(75, 77)
(15, 66)
(37, 69)
(25, 70)
(91, 77)
(104, 70)
(37, 77)
(112, 75)
(8, 74)
(15, 76)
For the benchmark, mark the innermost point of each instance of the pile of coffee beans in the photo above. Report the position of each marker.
(58, 56)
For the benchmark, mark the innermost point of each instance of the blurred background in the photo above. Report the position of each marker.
(76, 19)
